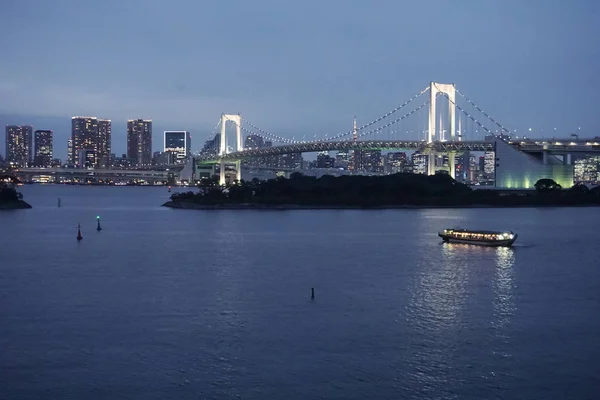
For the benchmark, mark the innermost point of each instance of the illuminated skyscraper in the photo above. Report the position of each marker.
(139, 141)
(419, 162)
(178, 143)
(103, 141)
(489, 163)
(84, 133)
(42, 148)
(254, 142)
(70, 161)
(18, 144)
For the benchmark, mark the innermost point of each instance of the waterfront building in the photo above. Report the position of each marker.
(179, 144)
(43, 152)
(515, 169)
(70, 160)
(103, 143)
(18, 144)
(139, 141)
(84, 133)
(587, 170)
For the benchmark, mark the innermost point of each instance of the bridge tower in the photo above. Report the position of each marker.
(237, 120)
(449, 90)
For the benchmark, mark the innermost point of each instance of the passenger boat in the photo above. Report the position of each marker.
(481, 238)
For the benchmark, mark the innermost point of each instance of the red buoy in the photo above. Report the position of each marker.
(79, 237)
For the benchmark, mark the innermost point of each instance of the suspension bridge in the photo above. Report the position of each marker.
(523, 161)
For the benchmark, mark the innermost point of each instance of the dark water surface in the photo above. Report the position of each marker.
(176, 304)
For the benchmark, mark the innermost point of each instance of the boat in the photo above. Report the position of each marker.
(481, 238)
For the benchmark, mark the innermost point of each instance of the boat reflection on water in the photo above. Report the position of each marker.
(504, 304)
(494, 267)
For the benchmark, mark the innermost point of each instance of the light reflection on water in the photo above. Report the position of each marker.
(177, 304)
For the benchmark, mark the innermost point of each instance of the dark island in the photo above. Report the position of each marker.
(10, 199)
(390, 191)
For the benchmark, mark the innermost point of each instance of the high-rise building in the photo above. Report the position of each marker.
(395, 163)
(84, 133)
(489, 164)
(370, 161)
(178, 143)
(103, 143)
(462, 162)
(43, 153)
(254, 142)
(70, 160)
(18, 144)
(324, 160)
(420, 162)
(342, 160)
(139, 141)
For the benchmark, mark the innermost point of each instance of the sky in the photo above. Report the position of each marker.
(293, 67)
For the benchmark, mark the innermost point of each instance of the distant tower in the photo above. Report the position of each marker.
(354, 131)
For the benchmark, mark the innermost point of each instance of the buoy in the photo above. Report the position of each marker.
(169, 189)
(99, 228)
(79, 237)
(313, 293)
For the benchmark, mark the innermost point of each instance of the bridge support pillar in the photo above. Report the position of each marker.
(238, 170)
(545, 157)
(567, 159)
(431, 163)
(452, 164)
(222, 173)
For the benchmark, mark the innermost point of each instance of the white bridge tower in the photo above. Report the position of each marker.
(449, 90)
(237, 120)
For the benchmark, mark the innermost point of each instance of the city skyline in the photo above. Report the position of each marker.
(534, 69)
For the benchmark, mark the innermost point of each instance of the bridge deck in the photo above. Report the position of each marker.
(351, 145)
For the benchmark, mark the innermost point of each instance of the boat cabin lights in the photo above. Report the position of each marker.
(479, 235)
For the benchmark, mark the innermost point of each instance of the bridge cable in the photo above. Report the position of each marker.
(483, 112)
(362, 134)
(270, 136)
(469, 115)
(273, 151)
(350, 132)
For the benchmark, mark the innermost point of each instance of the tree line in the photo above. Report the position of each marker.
(402, 189)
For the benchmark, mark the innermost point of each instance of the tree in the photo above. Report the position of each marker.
(579, 189)
(546, 185)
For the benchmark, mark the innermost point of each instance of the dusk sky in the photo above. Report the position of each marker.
(293, 68)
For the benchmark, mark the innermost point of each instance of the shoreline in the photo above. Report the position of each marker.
(284, 207)
(15, 205)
